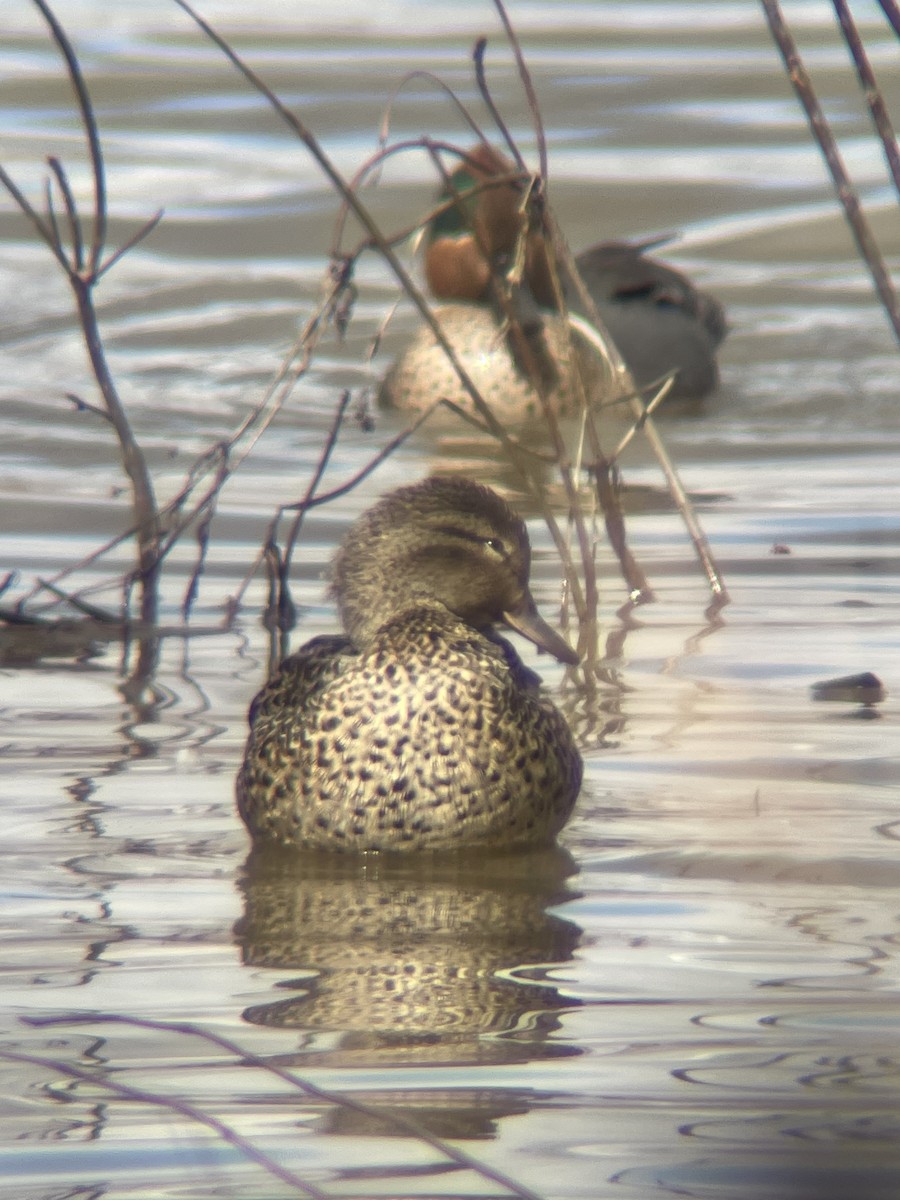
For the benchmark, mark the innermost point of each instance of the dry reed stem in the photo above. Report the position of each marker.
(522, 465)
(871, 91)
(891, 10)
(83, 265)
(157, 531)
(608, 353)
(585, 609)
(606, 349)
(844, 189)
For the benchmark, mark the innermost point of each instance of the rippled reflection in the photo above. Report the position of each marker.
(437, 962)
(441, 961)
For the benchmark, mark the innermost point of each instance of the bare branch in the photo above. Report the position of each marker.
(48, 233)
(478, 59)
(528, 84)
(145, 230)
(62, 179)
(92, 135)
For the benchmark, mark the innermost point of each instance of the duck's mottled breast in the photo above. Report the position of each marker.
(434, 737)
(422, 372)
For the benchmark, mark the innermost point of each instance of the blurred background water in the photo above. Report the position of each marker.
(698, 995)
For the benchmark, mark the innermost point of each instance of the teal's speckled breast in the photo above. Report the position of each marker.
(435, 737)
(422, 372)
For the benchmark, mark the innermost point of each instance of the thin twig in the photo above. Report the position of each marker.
(528, 84)
(891, 10)
(321, 466)
(481, 80)
(846, 193)
(47, 233)
(103, 615)
(679, 494)
(873, 96)
(374, 462)
(364, 217)
(204, 526)
(183, 1107)
(652, 405)
(145, 230)
(327, 497)
(404, 1123)
(92, 135)
(281, 614)
(436, 82)
(83, 406)
(71, 212)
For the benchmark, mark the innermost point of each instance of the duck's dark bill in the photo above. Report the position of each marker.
(528, 621)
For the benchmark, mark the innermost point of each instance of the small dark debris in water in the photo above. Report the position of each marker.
(27, 641)
(781, 548)
(864, 688)
(855, 604)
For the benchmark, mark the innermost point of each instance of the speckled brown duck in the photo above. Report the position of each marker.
(419, 728)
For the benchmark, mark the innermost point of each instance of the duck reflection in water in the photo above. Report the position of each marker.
(412, 960)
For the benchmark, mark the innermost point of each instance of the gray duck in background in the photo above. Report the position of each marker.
(420, 729)
(658, 320)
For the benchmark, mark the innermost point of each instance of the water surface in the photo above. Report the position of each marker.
(698, 995)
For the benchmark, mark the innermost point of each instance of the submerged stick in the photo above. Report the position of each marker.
(406, 1124)
(173, 1104)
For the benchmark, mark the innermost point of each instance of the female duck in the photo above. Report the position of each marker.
(657, 319)
(421, 729)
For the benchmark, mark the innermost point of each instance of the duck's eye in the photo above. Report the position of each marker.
(496, 545)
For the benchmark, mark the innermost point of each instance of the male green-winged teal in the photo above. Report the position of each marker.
(420, 728)
(657, 319)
